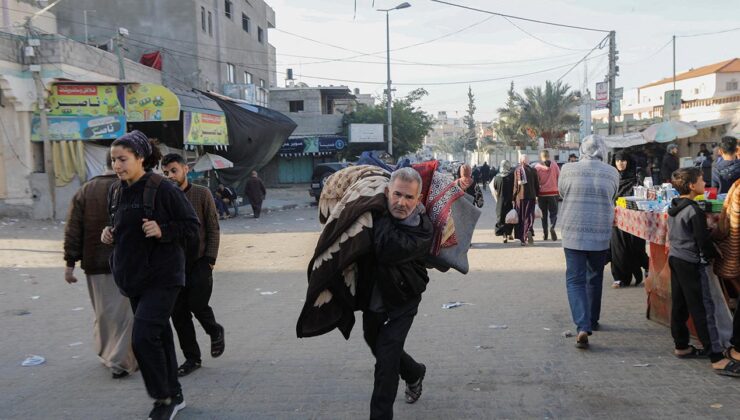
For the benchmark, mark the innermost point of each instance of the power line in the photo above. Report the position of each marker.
(542, 40)
(600, 45)
(520, 18)
(709, 33)
(653, 54)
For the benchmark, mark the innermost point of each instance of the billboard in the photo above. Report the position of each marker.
(204, 129)
(602, 95)
(150, 102)
(366, 133)
(86, 100)
(80, 128)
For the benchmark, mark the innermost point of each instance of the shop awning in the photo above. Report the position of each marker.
(711, 123)
(320, 145)
(194, 101)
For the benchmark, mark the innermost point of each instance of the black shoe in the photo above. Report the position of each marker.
(413, 391)
(187, 368)
(119, 374)
(164, 411)
(218, 343)
(553, 234)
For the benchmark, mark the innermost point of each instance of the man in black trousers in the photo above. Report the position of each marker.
(194, 297)
(402, 237)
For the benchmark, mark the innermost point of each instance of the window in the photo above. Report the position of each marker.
(247, 78)
(260, 35)
(210, 24)
(295, 106)
(203, 18)
(731, 85)
(230, 72)
(262, 83)
(696, 91)
(245, 22)
(228, 6)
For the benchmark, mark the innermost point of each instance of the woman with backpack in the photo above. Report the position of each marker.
(152, 224)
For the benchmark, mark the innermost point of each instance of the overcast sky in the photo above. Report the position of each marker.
(494, 48)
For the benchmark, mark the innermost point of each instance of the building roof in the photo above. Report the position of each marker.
(728, 66)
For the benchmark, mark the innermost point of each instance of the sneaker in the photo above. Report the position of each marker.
(616, 284)
(553, 235)
(167, 411)
(188, 367)
(413, 391)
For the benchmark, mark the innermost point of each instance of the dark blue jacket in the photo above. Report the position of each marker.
(724, 174)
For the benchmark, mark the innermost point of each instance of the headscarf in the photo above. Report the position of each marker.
(671, 147)
(520, 171)
(628, 177)
(466, 176)
(504, 168)
(137, 141)
(593, 147)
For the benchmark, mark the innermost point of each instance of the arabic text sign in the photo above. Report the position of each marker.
(86, 100)
(205, 129)
(150, 102)
(602, 95)
(80, 128)
(366, 133)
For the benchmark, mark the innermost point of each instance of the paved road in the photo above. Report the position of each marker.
(527, 370)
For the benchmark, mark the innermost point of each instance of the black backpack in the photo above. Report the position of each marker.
(150, 193)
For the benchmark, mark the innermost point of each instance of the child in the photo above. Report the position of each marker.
(690, 247)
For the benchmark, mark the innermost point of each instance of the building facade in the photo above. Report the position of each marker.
(218, 45)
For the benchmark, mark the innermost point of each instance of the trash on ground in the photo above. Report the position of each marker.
(451, 305)
(21, 312)
(476, 389)
(546, 329)
(75, 344)
(641, 365)
(567, 334)
(268, 293)
(716, 406)
(300, 219)
(35, 297)
(498, 327)
(79, 308)
(484, 347)
(33, 360)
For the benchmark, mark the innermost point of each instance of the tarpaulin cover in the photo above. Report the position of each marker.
(255, 136)
(152, 59)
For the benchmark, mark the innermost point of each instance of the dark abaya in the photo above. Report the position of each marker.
(504, 186)
(628, 255)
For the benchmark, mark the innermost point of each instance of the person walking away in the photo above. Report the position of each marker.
(670, 163)
(727, 269)
(628, 255)
(503, 186)
(396, 276)
(588, 188)
(706, 161)
(225, 196)
(86, 218)
(485, 173)
(572, 158)
(548, 173)
(195, 296)
(151, 221)
(255, 192)
(690, 249)
(727, 170)
(526, 186)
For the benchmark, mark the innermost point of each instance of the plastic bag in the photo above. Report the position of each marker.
(512, 218)
(537, 212)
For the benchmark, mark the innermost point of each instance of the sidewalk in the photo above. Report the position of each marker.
(282, 198)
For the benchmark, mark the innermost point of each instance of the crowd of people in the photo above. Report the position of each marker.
(148, 247)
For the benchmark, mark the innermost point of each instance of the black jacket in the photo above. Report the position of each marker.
(399, 253)
(669, 165)
(139, 263)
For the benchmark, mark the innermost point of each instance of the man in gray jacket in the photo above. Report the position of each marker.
(588, 188)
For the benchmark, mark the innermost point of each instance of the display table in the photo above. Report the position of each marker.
(653, 227)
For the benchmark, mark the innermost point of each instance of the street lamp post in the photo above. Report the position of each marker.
(389, 105)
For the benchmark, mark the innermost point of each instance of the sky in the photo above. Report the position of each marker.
(465, 47)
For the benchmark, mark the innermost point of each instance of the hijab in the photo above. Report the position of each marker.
(593, 147)
(504, 168)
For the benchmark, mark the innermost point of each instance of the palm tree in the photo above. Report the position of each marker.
(549, 113)
(509, 126)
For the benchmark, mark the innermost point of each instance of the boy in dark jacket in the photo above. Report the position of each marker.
(690, 248)
(402, 237)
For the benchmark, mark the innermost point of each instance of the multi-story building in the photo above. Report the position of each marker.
(218, 45)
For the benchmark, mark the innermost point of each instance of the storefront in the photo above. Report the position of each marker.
(299, 154)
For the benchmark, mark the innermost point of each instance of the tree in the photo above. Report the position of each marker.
(471, 137)
(548, 113)
(509, 127)
(451, 145)
(410, 124)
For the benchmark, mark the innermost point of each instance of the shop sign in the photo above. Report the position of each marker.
(313, 145)
(151, 102)
(204, 129)
(80, 128)
(86, 100)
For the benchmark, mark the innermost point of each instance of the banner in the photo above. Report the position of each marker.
(313, 145)
(86, 100)
(204, 129)
(602, 95)
(80, 128)
(150, 102)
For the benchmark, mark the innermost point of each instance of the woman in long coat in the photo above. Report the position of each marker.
(526, 187)
(628, 255)
(503, 184)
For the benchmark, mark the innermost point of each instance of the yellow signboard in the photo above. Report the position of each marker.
(86, 100)
(150, 102)
(205, 129)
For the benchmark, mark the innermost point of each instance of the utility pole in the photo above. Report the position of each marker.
(389, 106)
(122, 32)
(613, 72)
(84, 16)
(674, 62)
(35, 69)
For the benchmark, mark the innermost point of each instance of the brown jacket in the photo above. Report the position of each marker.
(728, 233)
(87, 216)
(209, 232)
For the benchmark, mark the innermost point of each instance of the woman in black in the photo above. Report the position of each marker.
(152, 224)
(628, 255)
(503, 184)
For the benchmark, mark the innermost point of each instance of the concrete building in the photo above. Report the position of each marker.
(218, 45)
(25, 188)
(446, 127)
